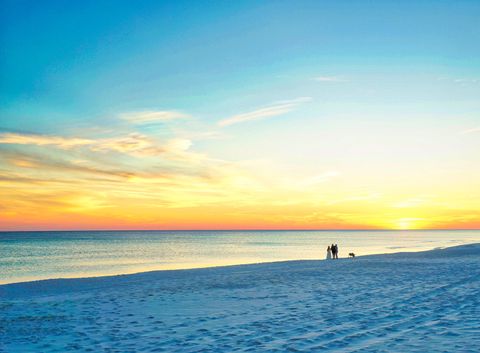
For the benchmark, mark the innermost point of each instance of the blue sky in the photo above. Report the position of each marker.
(296, 88)
(65, 61)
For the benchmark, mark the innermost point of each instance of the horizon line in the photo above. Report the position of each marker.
(239, 230)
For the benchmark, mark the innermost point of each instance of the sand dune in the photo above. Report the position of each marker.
(405, 302)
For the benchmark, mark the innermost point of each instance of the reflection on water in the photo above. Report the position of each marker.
(28, 256)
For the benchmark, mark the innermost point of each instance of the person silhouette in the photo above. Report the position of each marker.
(329, 253)
(336, 251)
(332, 248)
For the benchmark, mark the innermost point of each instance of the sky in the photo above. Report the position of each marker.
(239, 115)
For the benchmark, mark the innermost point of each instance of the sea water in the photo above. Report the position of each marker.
(27, 256)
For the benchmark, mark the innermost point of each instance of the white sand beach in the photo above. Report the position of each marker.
(406, 302)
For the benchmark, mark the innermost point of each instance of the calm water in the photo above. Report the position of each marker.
(26, 256)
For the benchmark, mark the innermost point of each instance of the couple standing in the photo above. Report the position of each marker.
(332, 252)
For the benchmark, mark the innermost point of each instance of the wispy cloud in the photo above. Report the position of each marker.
(466, 80)
(36, 162)
(278, 108)
(320, 178)
(43, 140)
(152, 116)
(329, 79)
(409, 203)
(179, 178)
(470, 131)
(362, 197)
(460, 80)
(135, 144)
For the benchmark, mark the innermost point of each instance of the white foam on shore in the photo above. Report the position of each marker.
(425, 301)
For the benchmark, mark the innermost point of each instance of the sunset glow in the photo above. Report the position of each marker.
(229, 121)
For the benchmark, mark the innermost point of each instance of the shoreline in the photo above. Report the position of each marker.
(34, 256)
(221, 268)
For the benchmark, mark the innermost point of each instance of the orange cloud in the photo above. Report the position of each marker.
(42, 140)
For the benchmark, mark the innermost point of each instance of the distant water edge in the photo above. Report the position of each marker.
(27, 256)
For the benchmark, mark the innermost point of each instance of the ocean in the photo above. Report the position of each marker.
(28, 256)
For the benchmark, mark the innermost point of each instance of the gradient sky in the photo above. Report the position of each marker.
(239, 114)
